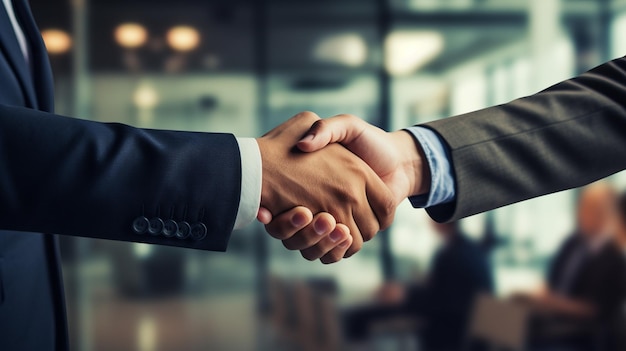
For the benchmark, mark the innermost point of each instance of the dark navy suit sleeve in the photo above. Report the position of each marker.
(68, 176)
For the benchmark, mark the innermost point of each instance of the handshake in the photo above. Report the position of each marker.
(330, 185)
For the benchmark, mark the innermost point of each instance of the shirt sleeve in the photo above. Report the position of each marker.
(442, 185)
(251, 177)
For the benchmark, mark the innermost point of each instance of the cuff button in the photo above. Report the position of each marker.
(156, 226)
(140, 225)
(198, 231)
(170, 228)
(183, 230)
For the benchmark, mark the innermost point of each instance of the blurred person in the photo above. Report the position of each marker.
(461, 271)
(442, 305)
(620, 223)
(620, 238)
(586, 281)
(75, 177)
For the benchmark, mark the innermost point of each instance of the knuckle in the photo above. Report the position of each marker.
(351, 194)
(389, 208)
(368, 235)
(307, 115)
(385, 212)
(348, 116)
(354, 248)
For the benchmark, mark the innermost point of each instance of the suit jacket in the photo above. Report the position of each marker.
(67, 176)
(566, 136)
(599, 279)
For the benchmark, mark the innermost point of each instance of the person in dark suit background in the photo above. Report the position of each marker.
(620, 240)
(442, 304)
(586, 281)
(620, 223)
(67, 176)
(588, 257)
(461, 271)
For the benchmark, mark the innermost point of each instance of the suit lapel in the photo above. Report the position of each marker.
(13, 53)
(40, 93)
(44, 84)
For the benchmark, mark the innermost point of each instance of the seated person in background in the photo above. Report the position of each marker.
(620, 239)
(585, 283)
(460, 270)
(620, 223)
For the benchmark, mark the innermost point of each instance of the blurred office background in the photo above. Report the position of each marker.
(244, 66)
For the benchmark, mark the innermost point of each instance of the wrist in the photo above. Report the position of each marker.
(267, 165)
(413, 163)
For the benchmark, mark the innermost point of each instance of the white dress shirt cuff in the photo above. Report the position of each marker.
(251, 177)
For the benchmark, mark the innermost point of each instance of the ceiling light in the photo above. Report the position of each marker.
(131, 35)
(57, 41)
(408, 51)
(183, 38)
(145, 97)
(346, 49)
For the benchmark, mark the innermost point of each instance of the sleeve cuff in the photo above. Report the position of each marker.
(442, 185)
(251, 177)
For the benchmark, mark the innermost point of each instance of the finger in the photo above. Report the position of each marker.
(381, 200)
(366, 220)
(305, 117)
(322, 225)
(264, 215)
(338, 236)
(357, 240)
(338, 252)
(339, 129)
(285, 225)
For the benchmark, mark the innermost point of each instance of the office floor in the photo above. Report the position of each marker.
(102, 319)
(173, 324)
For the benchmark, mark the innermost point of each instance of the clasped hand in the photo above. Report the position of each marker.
(353, 188)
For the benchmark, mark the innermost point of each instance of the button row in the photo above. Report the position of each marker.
(169, 228)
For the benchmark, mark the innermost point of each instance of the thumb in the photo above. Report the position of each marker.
(264, 215)
(339, 129)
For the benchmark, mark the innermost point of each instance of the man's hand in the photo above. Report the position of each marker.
(332, 180)
(395, 157)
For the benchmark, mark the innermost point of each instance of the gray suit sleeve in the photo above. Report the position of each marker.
(566, 136)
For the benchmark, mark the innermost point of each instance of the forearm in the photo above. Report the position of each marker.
(66, 176)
